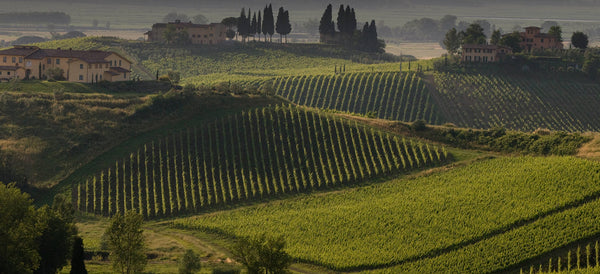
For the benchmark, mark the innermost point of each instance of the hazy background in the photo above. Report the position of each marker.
(131, 18)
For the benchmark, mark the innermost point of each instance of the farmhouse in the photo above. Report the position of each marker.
(199, 34)
(533, 38)
(30, 62)
(484, 53)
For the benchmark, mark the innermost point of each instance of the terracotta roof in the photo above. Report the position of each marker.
(8, 68)
(119, 69)
(112, 73)
(19, 51)
(91, 56)
(184, 24)
(477, 46)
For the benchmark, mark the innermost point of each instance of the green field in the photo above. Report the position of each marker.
(409, 222)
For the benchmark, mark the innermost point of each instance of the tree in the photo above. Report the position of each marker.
(253, 25)
(579, 40)
(57, 237)
(170, 34)
(283, 26)
(556, 31)
(547, 25)
(452, 41)
(268, 22)
(591, 66)
(199, 19)
(262, 254)
(126, 242)
(174, 16)
(447, 22)
(242, 25)
(341, 19)
(77, 257)
(20, 227)
(473, 35)
(326, 25)
(512, 41)
(496, 36)
(350, 20)
(259, 25)
(189, 263)
(230, 22)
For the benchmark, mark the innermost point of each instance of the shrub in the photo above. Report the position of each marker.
(189, 263)
(419, 125)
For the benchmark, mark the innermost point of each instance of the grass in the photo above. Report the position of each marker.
(402, 221)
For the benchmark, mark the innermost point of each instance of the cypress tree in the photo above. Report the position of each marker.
(326, 25)
(254, 26)
(352, 23)
(268, 22)
(341, 19)
(287, 27)
(259, 25)
(77, 263)
(348, 21)
(242, 30)
(279, 24)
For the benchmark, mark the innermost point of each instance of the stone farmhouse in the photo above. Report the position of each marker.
(534, 39)
(210, 34)
(484, 53)
(30, 62)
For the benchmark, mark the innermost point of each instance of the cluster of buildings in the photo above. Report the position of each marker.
(531, 39)
(90, 66)
(198, 34)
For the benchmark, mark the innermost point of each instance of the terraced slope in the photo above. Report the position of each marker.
(251, 156)
(388, 95)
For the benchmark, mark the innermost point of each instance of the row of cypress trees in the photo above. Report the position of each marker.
(264, 23)
(347, 34)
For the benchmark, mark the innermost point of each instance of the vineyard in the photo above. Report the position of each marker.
(519, 102)
(479, 218)
(254, 155)
(388, 95)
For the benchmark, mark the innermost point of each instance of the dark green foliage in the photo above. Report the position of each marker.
(512, 41)
(20, 226)
(9, 172)
(496, 37)
(591, 66)
(419, 125)
(126, 243)
(268, 25)
(189, 263)
(473, 35)
(77, 257)
(243, 24)
(326, 25)
(57, 238)
(452, 41)
(579, 40)
(283, 26)
(262, 254)
(556, 31)
(498, 139)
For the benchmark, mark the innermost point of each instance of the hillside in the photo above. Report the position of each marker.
(482, 217)
(255, 155)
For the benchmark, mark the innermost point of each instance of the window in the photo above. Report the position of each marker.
(119, 63)
(81, 67)
(124, 75)
(4, 59)
(43, 67)
(57, 61)
(0, 72)
(8, 73)
(80, 77)
(14, 59)
(20, 59)
(49, 61)
(111, 63)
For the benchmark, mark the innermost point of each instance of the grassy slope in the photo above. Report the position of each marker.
(444, 211)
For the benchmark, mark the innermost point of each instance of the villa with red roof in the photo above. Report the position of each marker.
(91, 66)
